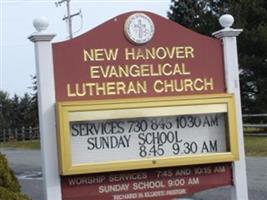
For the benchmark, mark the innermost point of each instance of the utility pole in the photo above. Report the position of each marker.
(69, 15)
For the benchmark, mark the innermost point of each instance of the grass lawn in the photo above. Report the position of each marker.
(34, 144)
(254, 130)
(255, 146)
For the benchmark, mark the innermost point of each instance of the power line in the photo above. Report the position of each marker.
(69, 16)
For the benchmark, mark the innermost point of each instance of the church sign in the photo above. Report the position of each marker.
(110, 62)
(156, 184)
(171, 131)
(141, 93)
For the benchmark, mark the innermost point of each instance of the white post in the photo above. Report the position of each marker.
(228, 36)
(46, 105)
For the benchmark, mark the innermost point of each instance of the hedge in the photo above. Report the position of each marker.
(9, 186)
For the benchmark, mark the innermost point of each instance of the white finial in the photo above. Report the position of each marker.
(40, 23)
(226, 21)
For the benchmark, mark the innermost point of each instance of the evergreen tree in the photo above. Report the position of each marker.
(25, 110)
(15, 120)
(9, 185)
(18, 111)
(252, 45)
(34, 103)
(202, 16)
(5, 108)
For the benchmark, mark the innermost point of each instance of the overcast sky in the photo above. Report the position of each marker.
(17, 62)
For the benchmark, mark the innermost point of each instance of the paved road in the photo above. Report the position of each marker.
(27, 167)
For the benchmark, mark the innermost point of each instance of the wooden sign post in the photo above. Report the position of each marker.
(147, 110)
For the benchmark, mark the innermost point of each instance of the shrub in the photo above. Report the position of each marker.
(9, 186)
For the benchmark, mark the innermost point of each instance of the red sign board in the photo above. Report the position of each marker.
(104, 64)
(159, 184)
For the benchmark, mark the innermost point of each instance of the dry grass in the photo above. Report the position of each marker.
(34, 144)
(256, 146)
